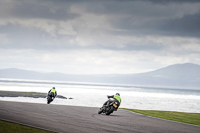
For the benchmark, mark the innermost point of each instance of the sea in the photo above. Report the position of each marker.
(95, 94)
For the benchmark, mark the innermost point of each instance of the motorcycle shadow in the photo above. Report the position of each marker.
(112, 115)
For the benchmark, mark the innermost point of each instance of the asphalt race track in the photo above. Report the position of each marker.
(73, 119)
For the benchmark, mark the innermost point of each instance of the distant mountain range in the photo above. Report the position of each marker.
(179, 75)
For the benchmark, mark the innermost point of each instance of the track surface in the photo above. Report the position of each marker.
(73, 119)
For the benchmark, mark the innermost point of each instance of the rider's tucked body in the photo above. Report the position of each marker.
(53, 91)
(116, 98)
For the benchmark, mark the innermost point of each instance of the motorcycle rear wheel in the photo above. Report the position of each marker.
(110, 111)
(49, 100)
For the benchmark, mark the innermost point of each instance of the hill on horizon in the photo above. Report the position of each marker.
(178, 75)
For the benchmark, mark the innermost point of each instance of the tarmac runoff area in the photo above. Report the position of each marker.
(74, 119)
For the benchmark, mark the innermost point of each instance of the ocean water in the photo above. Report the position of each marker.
(94, 95)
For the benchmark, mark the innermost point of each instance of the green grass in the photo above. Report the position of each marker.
(190, 118)
(7, 127)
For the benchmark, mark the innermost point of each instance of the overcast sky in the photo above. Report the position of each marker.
(98, 36)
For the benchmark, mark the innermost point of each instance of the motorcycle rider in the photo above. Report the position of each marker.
(116, 98)
(53, 91)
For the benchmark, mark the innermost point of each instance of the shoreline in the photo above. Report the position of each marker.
(27, 94)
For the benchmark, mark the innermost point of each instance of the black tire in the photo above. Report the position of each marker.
(110, 111)
(100, 111)
(49, 100)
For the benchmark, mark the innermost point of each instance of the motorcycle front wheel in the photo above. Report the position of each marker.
(110, 111)
(100, 111)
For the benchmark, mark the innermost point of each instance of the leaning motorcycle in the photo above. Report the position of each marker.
(113, 106)
(50, 98)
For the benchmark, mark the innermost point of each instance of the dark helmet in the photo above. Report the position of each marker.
(118, 94)
(53, 88)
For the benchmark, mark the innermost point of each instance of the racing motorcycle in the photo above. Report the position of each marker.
(113, 106)
(50, 98)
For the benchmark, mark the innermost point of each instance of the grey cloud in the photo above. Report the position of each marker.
(173, 1)
(23, 38)
(37, 9)
(151, 47)
(146, 19)
(20, 37)
(134, 7)
(186, 26)
(129, 18)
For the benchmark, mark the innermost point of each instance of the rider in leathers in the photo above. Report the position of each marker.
(115, 97)
(53, 90)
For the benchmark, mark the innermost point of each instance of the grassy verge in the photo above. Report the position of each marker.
(190, 118)
(7, 127)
